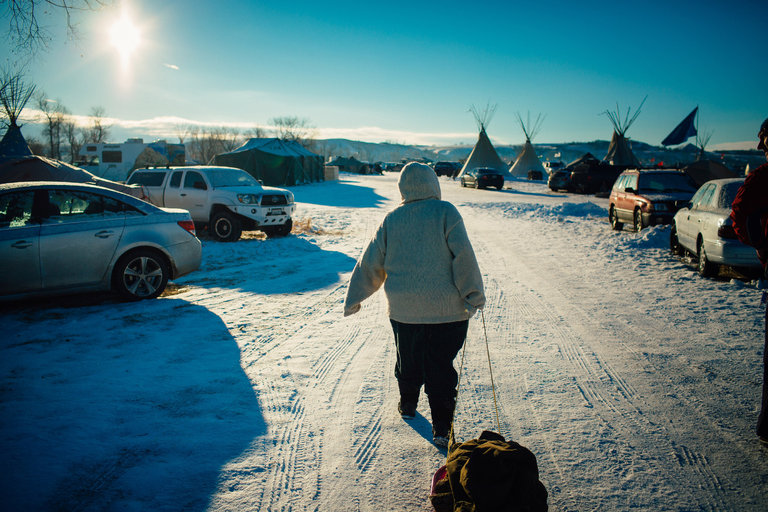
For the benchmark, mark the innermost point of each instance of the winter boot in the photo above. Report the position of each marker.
(442, 417)
(406, 409)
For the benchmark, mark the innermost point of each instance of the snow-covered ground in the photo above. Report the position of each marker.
(634, 381)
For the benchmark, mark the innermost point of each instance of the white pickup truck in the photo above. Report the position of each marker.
(226, 199)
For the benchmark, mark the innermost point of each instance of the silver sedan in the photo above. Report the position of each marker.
(704, 229)
(65, 238)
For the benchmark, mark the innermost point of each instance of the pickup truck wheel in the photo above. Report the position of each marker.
(225, 226)
(141, 274)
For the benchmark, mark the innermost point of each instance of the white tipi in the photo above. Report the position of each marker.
(527, 160)
(484, 154)
(619, 153)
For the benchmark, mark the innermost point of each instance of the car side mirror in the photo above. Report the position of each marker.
(630, 190)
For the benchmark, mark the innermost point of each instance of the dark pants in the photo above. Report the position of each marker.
(762, 420)
(425, 354)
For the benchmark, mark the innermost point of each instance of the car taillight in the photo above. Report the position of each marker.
(726, 231)
(189, 226)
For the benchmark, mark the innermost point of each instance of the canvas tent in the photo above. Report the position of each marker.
(40, 168)
(701, 171)
(484, 154)
(14, 95)
(275, 162)
(527, 161)
(13, 145)
(619, 153)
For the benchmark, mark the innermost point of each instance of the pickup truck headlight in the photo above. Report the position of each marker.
(248, 198)
(290, 197)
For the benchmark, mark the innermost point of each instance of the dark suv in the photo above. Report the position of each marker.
(445, 169)
(648, 197)
(482, 177)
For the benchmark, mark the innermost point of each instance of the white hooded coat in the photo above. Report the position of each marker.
(422, 255)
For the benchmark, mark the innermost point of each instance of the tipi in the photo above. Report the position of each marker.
(527, 160)
(619, 152)
(14, 95)
(484, 154)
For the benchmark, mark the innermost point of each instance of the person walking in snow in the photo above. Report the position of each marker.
(749, 213)
(422, 256)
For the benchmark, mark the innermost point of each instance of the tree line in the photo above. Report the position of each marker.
(64, 134)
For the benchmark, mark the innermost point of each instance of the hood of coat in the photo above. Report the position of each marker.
(417, 182)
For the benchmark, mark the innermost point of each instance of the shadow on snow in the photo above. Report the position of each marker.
(132, 406)
(340, 193)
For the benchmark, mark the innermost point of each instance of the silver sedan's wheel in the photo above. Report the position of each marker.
(705, 267)
(141, 274)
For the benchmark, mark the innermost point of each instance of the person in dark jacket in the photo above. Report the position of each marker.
(749, 213)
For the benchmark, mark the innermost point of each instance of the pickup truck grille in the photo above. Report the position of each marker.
(273, 200)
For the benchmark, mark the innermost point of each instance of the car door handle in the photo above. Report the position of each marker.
(104, 234)
(21, 244)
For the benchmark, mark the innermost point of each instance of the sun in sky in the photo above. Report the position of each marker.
(125, 36)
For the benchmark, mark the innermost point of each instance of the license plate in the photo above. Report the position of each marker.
(276, 211)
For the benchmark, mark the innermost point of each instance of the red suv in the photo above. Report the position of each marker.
(648, 197)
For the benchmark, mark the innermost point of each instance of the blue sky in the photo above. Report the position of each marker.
(408, 71)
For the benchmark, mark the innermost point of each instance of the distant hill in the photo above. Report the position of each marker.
(566, 151)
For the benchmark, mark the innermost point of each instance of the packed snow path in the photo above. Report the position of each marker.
(634, 381)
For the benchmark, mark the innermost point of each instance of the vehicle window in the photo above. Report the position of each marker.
(728, 194)
(696, 199)
(194, 180)
(230, 178)
(666, 182)
(630, 181)
(16, 209)
(706, 197)
(175, 179)
(147, 178)
(75, 205)
(112, 157)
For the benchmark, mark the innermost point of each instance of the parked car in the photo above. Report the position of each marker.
(58, 237)
(595, 179)
(482, 177)
(225, 199)
(445, 168)
(648, 197)
(552, 166)
(703, 228)
(559, 180)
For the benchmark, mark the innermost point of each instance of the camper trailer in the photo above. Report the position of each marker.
(115, 161)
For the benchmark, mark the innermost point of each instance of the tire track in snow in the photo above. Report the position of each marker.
(603, 389)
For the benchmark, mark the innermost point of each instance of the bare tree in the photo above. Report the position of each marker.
(54, 114)
(182, 131)
(24, 26)
(206, 143)
(257, 132)
(14, 95)
(99, 130)
(293, 128)
(73, 135)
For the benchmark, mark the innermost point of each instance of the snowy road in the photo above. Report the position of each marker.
(634, 381)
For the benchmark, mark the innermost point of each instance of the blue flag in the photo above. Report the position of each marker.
(682, 132)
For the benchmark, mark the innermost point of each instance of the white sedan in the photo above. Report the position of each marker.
(704, 229)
